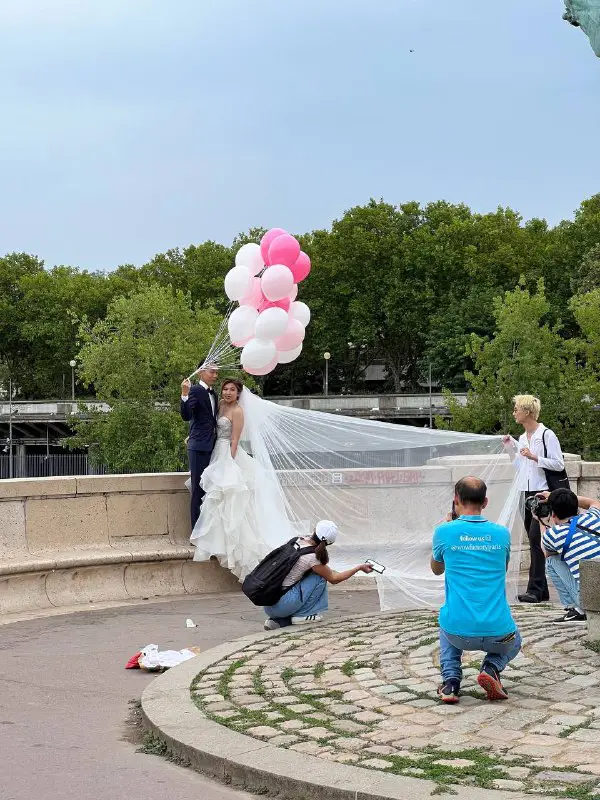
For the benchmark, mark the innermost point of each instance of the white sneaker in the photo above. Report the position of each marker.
(271, 624)
(304, 620)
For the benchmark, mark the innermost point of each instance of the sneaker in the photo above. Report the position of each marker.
(570, 615)
(489, 680)
(449, 691)
(304, 620)
(271, 624)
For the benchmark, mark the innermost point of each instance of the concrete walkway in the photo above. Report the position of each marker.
(65, 697)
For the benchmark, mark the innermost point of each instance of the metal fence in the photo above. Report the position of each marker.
(44, 466)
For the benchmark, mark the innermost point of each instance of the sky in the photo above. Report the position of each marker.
(132, 127)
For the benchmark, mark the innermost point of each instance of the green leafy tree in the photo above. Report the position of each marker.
(136, 359)
(15, 350)
(526, 355)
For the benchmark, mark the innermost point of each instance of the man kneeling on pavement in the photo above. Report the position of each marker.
(473, 554)
(569, 537)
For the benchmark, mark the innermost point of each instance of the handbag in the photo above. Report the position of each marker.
(556, 479)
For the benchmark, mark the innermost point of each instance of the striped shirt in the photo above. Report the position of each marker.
(583, 545)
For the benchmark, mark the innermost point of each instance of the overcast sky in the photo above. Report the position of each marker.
(132, 126)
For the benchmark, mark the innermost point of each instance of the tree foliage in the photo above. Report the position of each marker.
(489, 302)
(135, 359)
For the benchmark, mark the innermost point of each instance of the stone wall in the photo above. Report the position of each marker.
(90, 539)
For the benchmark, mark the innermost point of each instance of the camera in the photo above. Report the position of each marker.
(539, 508)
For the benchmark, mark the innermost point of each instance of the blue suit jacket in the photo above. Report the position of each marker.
(197, 410)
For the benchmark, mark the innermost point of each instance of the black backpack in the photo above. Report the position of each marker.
(264, 585)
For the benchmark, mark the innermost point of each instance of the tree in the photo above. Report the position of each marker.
(15, 351)
(52, 305)
(526, 356)
(136, 358)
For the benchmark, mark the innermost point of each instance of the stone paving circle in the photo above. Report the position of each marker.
(363, 692)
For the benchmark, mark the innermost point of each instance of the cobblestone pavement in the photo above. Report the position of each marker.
(363, 692)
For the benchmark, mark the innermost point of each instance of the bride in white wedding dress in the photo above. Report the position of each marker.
(228, 526)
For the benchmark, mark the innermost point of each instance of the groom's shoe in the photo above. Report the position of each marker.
(271, 624)
(529, 598)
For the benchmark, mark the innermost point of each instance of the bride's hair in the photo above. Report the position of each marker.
(238, 385)
(321, 551)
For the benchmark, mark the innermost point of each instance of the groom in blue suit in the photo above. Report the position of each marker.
(199, 407)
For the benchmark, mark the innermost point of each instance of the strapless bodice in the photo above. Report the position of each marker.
(224, 428)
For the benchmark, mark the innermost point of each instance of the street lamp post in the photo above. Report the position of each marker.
(10, 431)
(326, 356)
(430, 400)
(72, 364)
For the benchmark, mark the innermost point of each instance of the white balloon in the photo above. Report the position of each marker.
(249, 256)
(237, 282)
(258, 353)
(277, 282)
(301, 312)
(271, 323)
(289, 355)
(241, 323)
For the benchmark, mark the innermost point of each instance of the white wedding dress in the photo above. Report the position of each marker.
(228, 526)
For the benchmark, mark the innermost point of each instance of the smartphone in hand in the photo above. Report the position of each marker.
(376, 567)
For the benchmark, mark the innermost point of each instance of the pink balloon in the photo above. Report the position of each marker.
(293, 336)
(241, 342)
(294, 293)
(301, 267)
(284, 250)
(262, 370)
(265, 242)
(285, 304)
(254, 295)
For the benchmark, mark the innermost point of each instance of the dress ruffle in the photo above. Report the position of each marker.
(228, 527)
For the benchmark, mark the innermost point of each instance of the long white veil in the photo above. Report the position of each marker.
(387, 486)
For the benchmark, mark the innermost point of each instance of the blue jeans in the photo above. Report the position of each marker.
(565, 584)
(497, 651)
(307, 597)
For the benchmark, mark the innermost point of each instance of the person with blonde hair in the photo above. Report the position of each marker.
(539, 462)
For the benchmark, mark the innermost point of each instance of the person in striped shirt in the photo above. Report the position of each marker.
(572, 537)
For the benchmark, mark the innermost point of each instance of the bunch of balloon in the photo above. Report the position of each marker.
(269, 323)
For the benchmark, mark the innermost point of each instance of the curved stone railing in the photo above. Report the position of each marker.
(65, 541)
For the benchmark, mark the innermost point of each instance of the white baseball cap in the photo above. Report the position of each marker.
(327, 531)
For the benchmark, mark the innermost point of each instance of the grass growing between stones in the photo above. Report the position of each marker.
(349, 667)
(223, 686)
(593, 646)
(319, 670)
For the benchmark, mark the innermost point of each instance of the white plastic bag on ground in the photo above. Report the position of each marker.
(152, 658)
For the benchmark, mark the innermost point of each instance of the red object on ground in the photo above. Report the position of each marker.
(133, 661)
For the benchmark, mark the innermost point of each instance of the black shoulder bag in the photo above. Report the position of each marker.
(555, 479)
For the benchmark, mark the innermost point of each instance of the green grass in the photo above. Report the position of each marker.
(319, 670)
(568, 731)
(257, 683)
(153, 746)
(594, 646)
(349, 667)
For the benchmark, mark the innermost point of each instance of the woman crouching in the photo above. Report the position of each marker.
(305, 586)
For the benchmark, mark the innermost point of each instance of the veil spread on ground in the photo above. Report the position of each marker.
(387, 486)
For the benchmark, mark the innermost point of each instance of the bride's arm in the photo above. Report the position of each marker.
(237, 425)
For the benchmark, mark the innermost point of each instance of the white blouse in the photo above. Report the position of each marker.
(530, 474)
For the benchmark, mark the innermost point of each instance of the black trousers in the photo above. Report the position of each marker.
(198, 460)
(537, 584)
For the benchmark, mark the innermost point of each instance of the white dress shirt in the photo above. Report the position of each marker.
(213, 399)
(530, 474)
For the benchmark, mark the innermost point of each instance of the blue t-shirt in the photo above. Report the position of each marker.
(475, 553)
